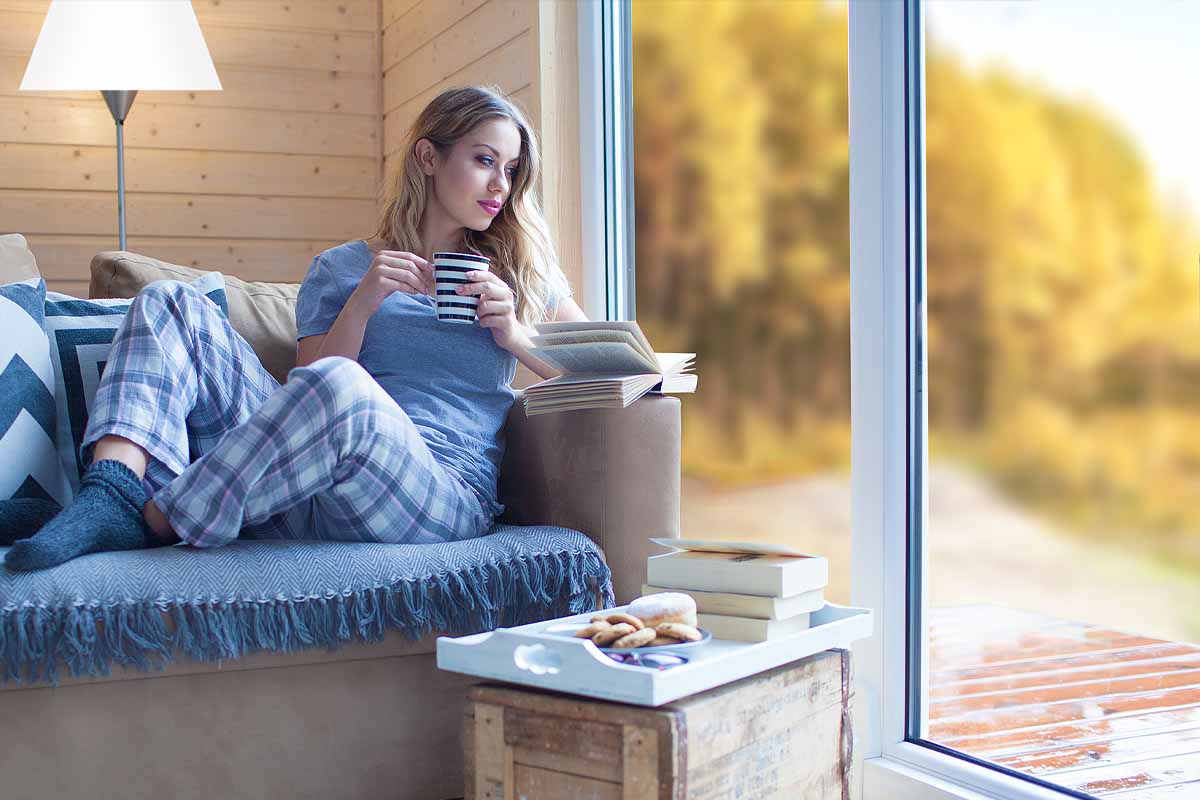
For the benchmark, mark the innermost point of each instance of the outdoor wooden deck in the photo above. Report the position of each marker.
(1107, 713)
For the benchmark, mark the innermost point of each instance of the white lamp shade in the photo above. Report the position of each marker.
(120, 45)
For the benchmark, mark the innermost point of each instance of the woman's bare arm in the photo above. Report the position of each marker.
(308, 349)
(567, 311)
(390, 271)
(344, 338)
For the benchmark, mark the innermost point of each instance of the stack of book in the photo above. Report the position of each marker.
(744, 591)
(603, 365)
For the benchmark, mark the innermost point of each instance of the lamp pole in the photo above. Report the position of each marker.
(119, 102)
(160, 48)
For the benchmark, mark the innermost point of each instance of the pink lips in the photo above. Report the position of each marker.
(490, 208)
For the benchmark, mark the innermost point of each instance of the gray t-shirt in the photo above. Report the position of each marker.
(454, 381)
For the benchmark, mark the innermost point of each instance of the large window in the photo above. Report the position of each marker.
(1062, 197)
(1025, 308)
(741, 178)
(1023, 189)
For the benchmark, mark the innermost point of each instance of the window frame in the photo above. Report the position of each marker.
(606, 159)
(889, 418)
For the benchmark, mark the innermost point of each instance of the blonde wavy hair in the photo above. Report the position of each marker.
(518, 241)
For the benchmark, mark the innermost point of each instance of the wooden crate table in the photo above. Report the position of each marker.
(783, 733)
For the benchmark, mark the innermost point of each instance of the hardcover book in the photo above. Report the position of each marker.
(744, 629)
(741, 571)
(748, 605)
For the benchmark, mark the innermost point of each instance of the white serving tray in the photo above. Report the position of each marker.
(530, 656)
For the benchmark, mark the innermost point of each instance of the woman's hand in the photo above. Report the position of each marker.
(497, 307)
(392, 271)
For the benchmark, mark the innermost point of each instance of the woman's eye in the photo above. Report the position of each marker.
(487, 161)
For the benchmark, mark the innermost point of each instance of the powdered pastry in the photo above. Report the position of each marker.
(653, 609)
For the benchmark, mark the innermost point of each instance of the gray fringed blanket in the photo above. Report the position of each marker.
(142, 607)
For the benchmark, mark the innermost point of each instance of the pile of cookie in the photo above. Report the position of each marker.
(665, 618)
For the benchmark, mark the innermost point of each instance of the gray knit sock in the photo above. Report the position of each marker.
(106, 515)
(22, 517)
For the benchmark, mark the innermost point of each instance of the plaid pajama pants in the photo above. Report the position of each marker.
(328, 455)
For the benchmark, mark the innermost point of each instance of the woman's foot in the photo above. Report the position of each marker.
(157, 522)
(107, 515)
(22, 517)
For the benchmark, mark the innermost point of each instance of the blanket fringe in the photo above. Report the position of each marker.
(36, 641)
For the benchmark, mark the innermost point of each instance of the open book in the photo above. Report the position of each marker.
(603, 365)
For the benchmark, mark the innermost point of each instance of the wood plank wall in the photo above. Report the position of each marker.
(289, 158)
(432, 45)
(529, 49)
(555, 107)
(253, 180)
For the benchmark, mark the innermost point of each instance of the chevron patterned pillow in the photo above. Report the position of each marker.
(81, 333)
(29, 463)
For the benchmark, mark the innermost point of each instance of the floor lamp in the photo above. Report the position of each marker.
(119, 47)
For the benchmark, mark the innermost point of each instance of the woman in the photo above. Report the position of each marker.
(389, 429)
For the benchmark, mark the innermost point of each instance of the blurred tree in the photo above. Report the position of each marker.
(1062, 296)
(741, 168)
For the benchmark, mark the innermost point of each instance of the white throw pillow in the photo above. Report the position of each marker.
(29, 462)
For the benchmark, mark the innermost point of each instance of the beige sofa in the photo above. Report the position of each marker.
(370, 720)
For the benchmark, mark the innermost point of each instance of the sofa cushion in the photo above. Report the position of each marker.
(80, 334)
(29, 465)
(16, 259)
(143, 607)
(263, 313)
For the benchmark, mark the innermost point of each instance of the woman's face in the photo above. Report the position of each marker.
(474, 180)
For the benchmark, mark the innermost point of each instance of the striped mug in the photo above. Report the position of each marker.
(449, 271)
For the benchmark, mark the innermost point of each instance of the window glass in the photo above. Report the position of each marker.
(1062, 200)
(742, 255)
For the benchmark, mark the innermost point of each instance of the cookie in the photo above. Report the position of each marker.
(636, 639)
(678, 631)
(592, 629)
(614, 619)
(609, 635)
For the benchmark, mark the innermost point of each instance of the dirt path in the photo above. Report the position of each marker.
(983, 549)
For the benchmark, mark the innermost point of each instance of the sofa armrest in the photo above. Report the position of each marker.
(612, 474)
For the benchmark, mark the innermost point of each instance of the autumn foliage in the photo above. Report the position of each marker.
(1063, 315)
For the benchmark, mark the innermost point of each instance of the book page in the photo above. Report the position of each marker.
(608, 358)
(683, 383)
(629, 326)
(587, 379)
(757, 548)
(583, 337)
(637, 384)
(575, 380)
(674, 362)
